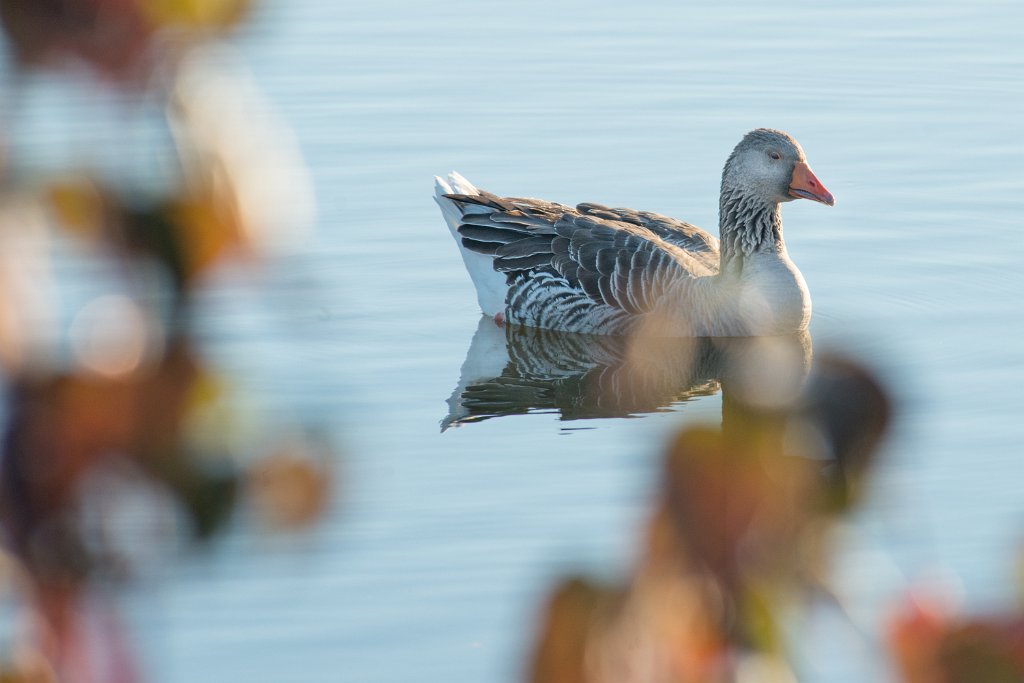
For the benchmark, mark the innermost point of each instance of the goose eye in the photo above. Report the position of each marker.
(775, 155)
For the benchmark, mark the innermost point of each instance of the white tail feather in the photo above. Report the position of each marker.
(490, 284)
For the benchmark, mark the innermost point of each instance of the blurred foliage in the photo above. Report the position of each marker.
(112, 454)
(740, 532)
(740, 525)
(137, 426)
(932, 645)
(117, 39)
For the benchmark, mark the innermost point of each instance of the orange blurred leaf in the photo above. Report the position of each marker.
(197, 14)
(289, 488)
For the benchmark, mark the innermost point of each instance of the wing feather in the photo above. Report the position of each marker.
(621, 258)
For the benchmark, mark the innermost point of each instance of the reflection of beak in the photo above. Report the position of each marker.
(805, 185)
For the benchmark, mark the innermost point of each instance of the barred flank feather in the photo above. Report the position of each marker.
(585, 269)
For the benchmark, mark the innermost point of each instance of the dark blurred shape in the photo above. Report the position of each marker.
(851, 411)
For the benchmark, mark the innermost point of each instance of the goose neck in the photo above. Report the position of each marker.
(747, 226)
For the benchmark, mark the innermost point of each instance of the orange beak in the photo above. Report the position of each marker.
(804, 185)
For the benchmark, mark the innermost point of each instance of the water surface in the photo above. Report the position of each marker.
(432, 567)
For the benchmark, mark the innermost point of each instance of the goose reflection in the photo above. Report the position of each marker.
(515, 370)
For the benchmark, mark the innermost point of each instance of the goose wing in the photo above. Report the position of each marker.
(621, 258)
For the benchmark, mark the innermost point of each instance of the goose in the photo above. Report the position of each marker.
(614, 271)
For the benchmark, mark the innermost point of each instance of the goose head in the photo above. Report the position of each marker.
(770, 166)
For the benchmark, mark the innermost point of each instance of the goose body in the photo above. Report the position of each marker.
(598, 270)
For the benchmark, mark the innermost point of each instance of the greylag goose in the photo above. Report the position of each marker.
(597, 270)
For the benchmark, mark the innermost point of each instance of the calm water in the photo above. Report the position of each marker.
(432, 567)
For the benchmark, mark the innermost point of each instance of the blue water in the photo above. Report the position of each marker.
(431, 565)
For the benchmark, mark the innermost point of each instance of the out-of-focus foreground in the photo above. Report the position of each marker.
(123, 443)
(741, 534)
(120, 439)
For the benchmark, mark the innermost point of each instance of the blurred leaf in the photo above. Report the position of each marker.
(758, 620)
(242, 167)
(983, 651)
(738, 502)
(198, 14)
(27, 665)
(79, 206)
(573, 609)
(849, 411)
(291, 487)
(207, 229)
(914, 637)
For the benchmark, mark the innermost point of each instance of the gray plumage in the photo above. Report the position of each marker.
(552, 254)
(595, 269)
